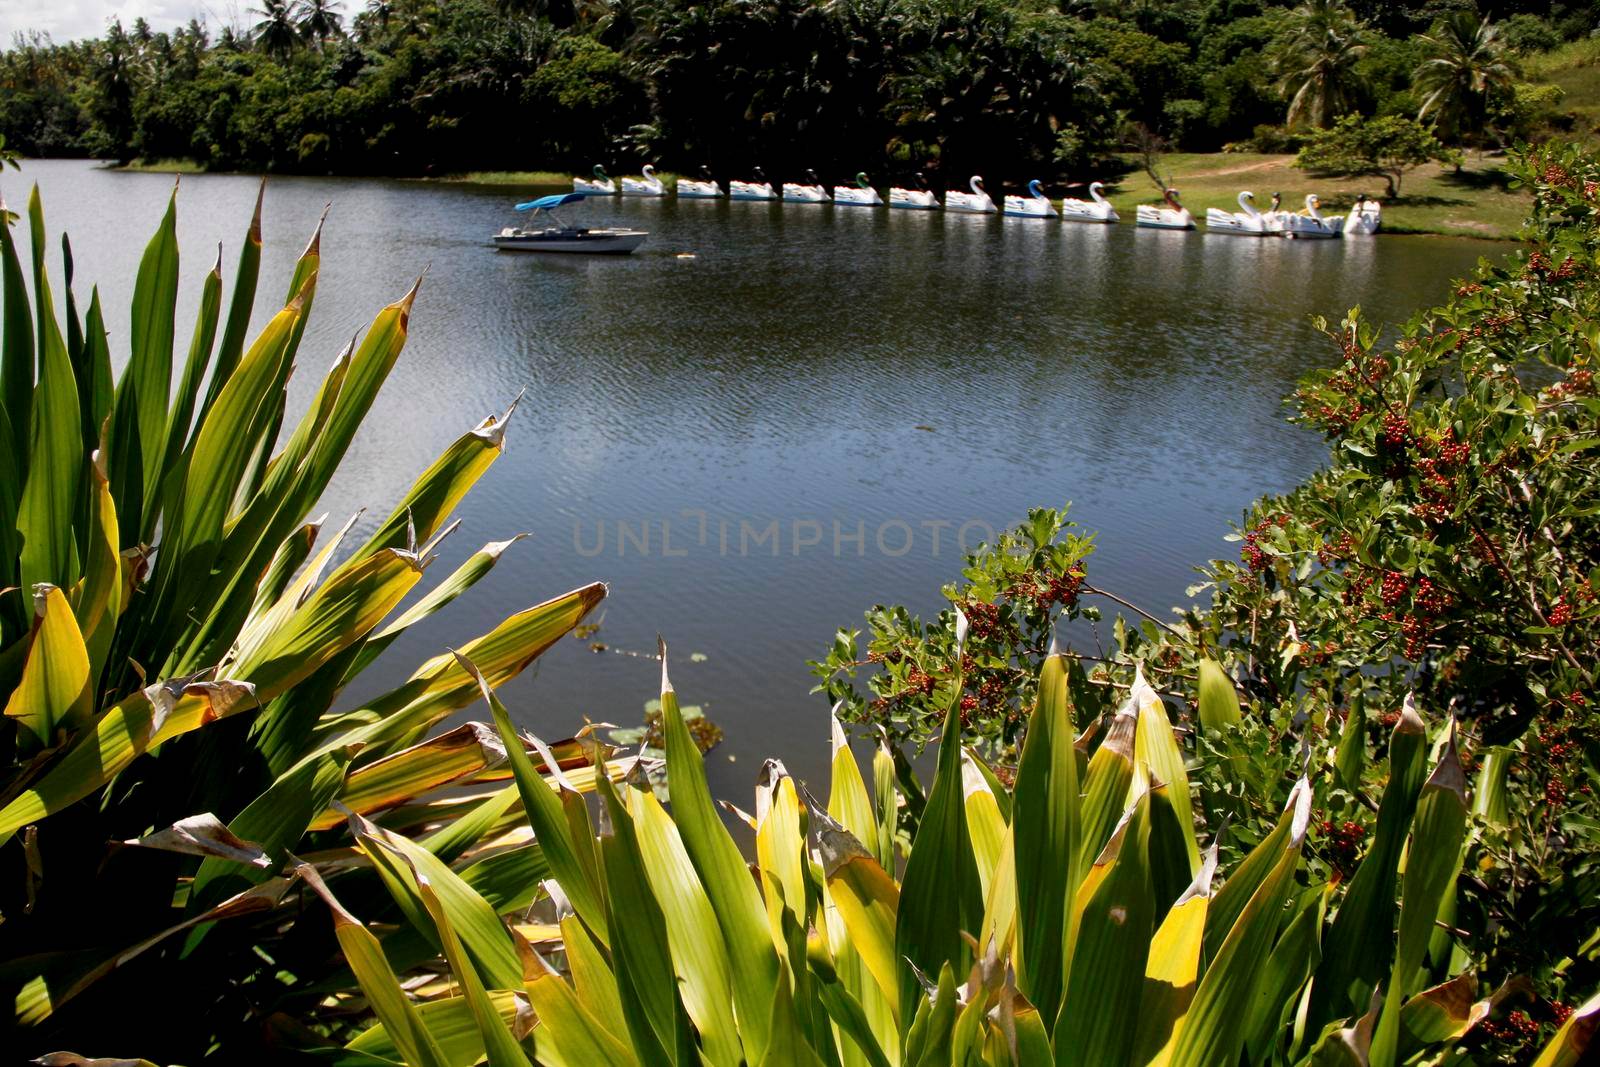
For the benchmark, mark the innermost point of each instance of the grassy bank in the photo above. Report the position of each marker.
(1478, 202)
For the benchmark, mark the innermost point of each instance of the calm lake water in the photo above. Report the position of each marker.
(756, 444)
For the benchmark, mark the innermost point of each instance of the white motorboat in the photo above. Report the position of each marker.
(861, 194)
(1169, 216)
(1247, 221)
(811, 192)
(599, 185)
(1033, 206)
(1310, 223)
(1095, 209)
(646, 185)
(758, 189)
(561, 237)
(703, 188)
(919, 199)
(1366, 215)
(976, 202)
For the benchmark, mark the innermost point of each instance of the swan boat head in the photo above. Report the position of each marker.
(1096, 191)
(861, 180)
(975, 183)
(1036, 189)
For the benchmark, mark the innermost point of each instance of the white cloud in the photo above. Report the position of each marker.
(69, 20)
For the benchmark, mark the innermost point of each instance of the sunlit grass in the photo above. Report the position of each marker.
(1434, 199)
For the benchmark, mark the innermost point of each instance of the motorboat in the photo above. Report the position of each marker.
(1366, 215)
(703, 188)
(1247, 221)
(976, 202)
(645, 185)
(861, 194)
(599, 185)
(758, 189)
(1310, 223)
(811, 192)
(1095, 209)
(561, 237)
(919, 199)
(1170, 215)
(1033, 206)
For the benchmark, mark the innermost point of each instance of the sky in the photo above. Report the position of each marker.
(69, 20)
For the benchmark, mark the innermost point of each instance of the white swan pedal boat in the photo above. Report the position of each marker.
(1247, 221)
(812, 192)
(919, 199)
(1366, 215)
(645, 185)
(1170, 216)
(703, 188)
(1311, 224)
(758, 188)
(976, 202)
(561, 237)
(862, 194)
(599, 185)
(1033, 206)
(1095, 209)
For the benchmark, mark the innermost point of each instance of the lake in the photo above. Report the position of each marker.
(807, 417)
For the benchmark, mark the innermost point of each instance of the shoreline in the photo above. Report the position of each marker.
(1436, 201)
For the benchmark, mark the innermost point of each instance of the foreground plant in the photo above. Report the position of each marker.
(1072, 919)
(174, 637)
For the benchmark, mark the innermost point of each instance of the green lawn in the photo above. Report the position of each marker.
(1434, 199)
(1575, 67)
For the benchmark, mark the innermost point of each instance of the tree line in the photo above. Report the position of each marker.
(1014, 87)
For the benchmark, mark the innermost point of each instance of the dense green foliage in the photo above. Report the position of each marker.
(174, 636)
(1448, 551)
(1015, 88)
(1385, 147)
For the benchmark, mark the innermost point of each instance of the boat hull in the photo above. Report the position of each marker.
(804, 194)
(1160, 218)
(967, 203)
(1019, 207)
(692, 190)
(615, 243)
(750, 191)
(913, 200)
(847, 197)
(1237, 224)
(1089, 212)
(594, 188)
(1300, 228)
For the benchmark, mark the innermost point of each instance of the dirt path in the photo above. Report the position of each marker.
(1244, 168)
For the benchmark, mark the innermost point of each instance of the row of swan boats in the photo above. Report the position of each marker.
(1170, 214)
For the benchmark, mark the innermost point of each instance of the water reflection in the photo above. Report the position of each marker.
(832, 374)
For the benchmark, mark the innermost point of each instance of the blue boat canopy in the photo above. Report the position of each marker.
(545, 203)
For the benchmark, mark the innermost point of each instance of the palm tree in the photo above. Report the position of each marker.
(1315, 60)
(275, 34)
(318, 20)
(1467, 60)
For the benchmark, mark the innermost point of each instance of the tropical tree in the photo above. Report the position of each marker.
(1315, 61)
(1468, 62)
(276, 34)
(318, 20)
(1385, 147)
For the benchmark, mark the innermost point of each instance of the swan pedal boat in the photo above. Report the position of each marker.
(1310, 223)
(703, 188)
(1364, 219)
(758, 189)
(599, 185)
(1247, 221)
(918, 199)
(861, 194)
(1172, 216)
(648, 185)
(976, 202)
(1033, 206)
(1095, 209)
(561, 237)
(805, 193)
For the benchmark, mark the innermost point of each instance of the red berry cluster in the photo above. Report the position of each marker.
(1517, 1027)
(1579, 382)
(983, 618)
(1560, 612)
(1394, 588)
(1469, 289)
(1251, 552)
(1342, 844)
(1043, 590)
(1538, 265)
(1396, 429)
